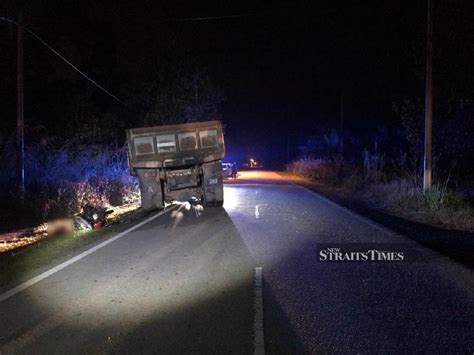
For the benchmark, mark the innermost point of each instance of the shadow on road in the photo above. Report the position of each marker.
(357, 307)
(280, 337)
(197, 298)
(457, 245)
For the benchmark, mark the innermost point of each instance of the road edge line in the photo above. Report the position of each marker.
(258, 331)
(347, 210)
(23, 286)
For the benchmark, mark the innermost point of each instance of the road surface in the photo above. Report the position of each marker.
(192, 288)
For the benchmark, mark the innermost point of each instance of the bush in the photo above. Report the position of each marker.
(61, 181)
(438, 206)
(399, 193)
(323, 171)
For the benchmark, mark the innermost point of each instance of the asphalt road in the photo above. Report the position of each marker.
(191, 289)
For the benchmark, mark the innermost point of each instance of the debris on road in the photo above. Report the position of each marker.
(92, 218)
(193, 203)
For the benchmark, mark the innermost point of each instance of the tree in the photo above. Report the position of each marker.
(184, 99)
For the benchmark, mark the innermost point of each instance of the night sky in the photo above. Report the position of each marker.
(281, 66)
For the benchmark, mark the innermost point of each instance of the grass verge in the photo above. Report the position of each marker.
(21, 264)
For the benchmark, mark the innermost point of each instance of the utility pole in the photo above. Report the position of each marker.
(20, 134)
(428, 100)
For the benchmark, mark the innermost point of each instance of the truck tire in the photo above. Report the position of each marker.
(150, 190)
(218, 203)
(215, 203)
(213, 184)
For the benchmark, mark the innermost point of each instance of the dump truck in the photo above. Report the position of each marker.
(178, 163)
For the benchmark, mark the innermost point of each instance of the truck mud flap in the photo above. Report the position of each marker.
(150, 189)
(213, 185)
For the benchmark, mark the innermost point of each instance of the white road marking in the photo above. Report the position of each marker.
(258, 334)
(12, 292)
(257, 213)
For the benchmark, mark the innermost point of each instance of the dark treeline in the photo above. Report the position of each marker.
(275, 76)
(142, 62)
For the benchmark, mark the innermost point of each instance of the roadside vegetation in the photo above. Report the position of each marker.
(383, 165)
(60, 181)
(398, 192)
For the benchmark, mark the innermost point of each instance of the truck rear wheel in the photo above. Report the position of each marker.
(218, 203)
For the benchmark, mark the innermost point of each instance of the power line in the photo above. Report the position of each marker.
(209, 18)
(64, 59)
(31, 32)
